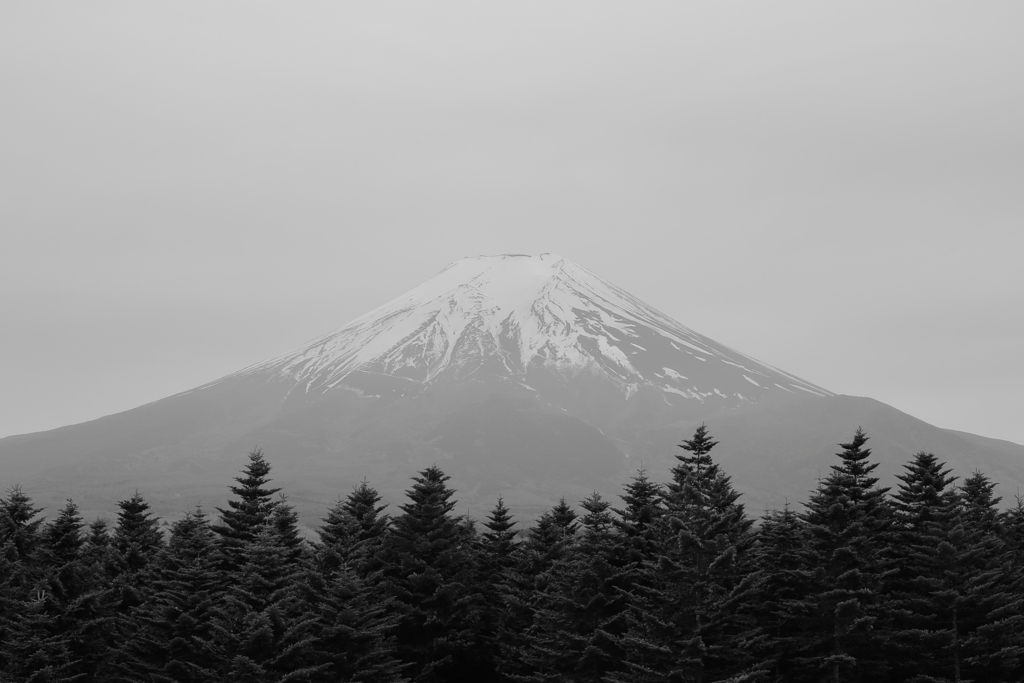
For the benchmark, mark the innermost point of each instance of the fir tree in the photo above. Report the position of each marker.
(20, 537)
(579, 610)
(430, 573)
(980, 504)
(639, 518)
(498, 543)
(778, 600)
(76, 590)
(354, 632)
(244, 518)
(554, 530)
(354, 530)
(994, 623)
(171, 636)
(264, 630)
(137, 535)
(924, 594)
(19, 524)
(687, 626)
(62, 537)
(339, 539)
(847, 518)
(363, 505)
(36, 650)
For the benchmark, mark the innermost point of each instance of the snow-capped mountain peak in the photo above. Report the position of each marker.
(514, 316)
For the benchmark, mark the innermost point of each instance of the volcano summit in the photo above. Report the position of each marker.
(524, 319)
(529, 377)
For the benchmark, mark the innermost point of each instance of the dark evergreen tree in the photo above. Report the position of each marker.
(847, 519)
(993, 600)
(579, 609)
(339, 539)
(354, 530)
(925, 596)
(688, 627)
(98, 551)
(286, 525)
(136, 542)
(430, 572)
(171, 636)
(20, 537)
(137, 534)
(264, 631)
(639, 518)
(76, 590)
(498, 543)
(1013, 531)
(363, 504)
(245, 518)
(37, 650)
(354, 632)
(62, 537)
(980, 504)
(19, 523)
(554, 530)
(778, 599)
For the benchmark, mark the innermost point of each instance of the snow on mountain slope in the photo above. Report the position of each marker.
(515, 316)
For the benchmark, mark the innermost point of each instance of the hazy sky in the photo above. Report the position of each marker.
(833, 188)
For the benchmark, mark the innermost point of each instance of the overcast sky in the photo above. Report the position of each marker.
(833, 188)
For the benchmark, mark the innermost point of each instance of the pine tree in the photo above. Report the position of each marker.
(244, 518)
(19, 524)
(553, 532)
(498, 543)
(980, 504)
(264, 630)
(688, 627)
(171, 636)
(20, 537)
(924, 594)
(778, 599)
(639, 519)
(429, 570)
(339, 539)
(137, 535)
(579, 609)
(136, 542)
(994, 624)
(354, 632)
(76, 588)
(354, 530)
(36, 650)
(847, 519)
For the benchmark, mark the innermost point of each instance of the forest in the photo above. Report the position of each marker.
(921, 582)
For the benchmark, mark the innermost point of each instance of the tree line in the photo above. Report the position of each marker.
(923, 583)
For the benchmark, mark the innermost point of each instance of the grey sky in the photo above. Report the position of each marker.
(834, 188)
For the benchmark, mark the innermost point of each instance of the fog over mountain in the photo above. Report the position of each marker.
(529, 377)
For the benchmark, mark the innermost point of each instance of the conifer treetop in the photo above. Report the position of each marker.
(243, 518)
(136, 526)
(598, 520)
(19, 523)
(500, 520)
(64, 534)
(925, 490)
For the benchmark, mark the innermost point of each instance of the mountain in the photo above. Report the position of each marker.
(529, 377)
(519, 319)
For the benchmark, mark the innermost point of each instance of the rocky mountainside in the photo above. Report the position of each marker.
(529, 377)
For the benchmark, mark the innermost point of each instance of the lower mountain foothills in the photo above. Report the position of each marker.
(922, 582)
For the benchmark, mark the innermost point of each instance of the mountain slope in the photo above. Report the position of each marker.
(529, 377)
